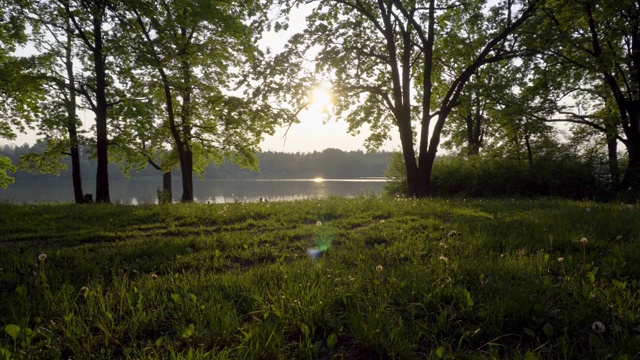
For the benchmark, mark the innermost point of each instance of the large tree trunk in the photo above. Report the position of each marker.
(102, 176)
(186, 166)
(166, 185)
(71, 103)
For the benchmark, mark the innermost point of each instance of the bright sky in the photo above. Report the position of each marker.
(315, 132)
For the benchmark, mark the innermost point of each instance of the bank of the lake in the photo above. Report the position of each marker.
(432, 279)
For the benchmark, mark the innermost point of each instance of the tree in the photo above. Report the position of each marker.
(52, 34)
(20, 84)
(385, 61)
(88, 18)
(601, 41)
(188, 50)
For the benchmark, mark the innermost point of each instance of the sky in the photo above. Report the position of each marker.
(315, 131)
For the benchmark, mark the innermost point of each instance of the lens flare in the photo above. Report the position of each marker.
(323, 240)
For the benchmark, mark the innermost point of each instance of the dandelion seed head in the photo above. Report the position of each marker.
(379, 267)
(42, 257)
(154, 276)
(598, 327)
(619, 238)
(443, 258)
(560, 259)
(584, 240)
(587, 209)
(453, 233)
(318, 222)
(84, 289)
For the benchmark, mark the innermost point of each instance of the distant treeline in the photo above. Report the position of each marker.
(330, 163)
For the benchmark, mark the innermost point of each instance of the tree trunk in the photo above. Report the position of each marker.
(71, 103)
(102, 176)
(631, 178)
(186, 165)
(166, 185)
(527, 143)
(612, 149)
(474, 125)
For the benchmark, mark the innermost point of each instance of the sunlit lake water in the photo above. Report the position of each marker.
(139, 191)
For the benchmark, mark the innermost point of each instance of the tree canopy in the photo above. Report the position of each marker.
(184, 84)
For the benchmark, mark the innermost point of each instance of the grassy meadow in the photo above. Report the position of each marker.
(400, 279)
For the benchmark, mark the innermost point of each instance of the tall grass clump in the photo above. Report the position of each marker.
(396, 278)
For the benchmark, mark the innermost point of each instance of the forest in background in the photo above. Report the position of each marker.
(329, 163)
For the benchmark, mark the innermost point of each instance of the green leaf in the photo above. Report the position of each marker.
(13, 331)
(467, 295)
(332, 340)
(305, 329)
(188, 332)
(175, 297)
(440, 352)
(548, 329)
(620, 284)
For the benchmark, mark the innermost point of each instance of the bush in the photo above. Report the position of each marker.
(482, 176)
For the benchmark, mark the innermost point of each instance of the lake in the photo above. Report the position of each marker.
(143, 190)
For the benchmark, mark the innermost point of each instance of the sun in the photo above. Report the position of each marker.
(318, 180)
(320, 98)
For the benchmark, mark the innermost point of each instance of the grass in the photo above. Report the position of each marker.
(432, 279)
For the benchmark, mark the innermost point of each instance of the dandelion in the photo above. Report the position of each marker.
(154, 276)
(382, 221)
(453, 233)
(318, 222)
(587, 209)
(584, 240)
(598, 327)
(560, 259)
(443, 258)
(42, 257)
(442, 245)
(619, 238)
(379, 267)
(629, 206)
